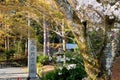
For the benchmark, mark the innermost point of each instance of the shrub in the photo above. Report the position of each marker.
(9, 53)
(74, 58)
(73, 70)
(43, 59)
(51, 75)
(64, 74)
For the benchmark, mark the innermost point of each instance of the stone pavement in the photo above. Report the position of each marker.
(13, 73)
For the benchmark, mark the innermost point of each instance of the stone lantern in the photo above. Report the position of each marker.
(60, 57)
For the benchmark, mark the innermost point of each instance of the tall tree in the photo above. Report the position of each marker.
(78, 16)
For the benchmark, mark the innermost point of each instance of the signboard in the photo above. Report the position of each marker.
(32, 58)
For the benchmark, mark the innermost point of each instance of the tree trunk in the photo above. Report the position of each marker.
(28, 25)
(5, 39)
(96, 68)
(63, 40)
(8, 43)
(45, 37)
(5, 44)
(48, 41)
(63, 36)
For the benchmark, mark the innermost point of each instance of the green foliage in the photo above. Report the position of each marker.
(67, 72)
(9, 53)
(43, 59)
(74, 57)
(96, 39)
(2, 49)
(58, 15)
(51, 75)
(64, 74)
(69, 54)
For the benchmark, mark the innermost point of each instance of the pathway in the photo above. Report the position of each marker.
(116, 69)
(13, 73)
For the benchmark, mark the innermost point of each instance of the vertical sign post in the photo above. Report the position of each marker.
(32, 58)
